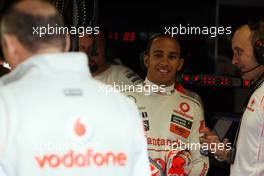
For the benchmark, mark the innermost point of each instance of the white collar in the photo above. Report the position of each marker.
(50, 63)
(162, 89)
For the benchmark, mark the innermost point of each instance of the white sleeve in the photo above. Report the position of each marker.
(3, 130)
(141, 165)
(200, 162)
(3, 126)
(126, 76)
(2, 173)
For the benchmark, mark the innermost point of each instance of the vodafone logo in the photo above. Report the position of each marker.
(185, 107)
(71, 157)
(79, 128)
(88, 159)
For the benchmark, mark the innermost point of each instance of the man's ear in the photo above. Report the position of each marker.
(13, 50)
(146, 60)
(67, 43)
(10, 43)
(181, 64)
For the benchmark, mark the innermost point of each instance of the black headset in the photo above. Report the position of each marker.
(258, 40)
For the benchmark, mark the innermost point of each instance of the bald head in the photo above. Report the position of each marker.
(243, 35)
(36, 8)
(21, 28)
(25, 16)
(244, 58)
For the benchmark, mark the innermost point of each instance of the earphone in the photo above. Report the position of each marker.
(258, 41)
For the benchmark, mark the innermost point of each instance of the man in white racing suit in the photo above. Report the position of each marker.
(51, 118)
(109, 73)
(171, 118)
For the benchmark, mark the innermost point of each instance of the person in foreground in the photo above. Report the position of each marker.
(51, 118)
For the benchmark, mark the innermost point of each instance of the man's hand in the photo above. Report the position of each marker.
(209, 138)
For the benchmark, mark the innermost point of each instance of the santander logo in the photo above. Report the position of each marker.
(86, 157)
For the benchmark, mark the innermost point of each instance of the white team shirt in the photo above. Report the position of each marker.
(249, 160)
(170, 116)
(53, 121)
(119, 75)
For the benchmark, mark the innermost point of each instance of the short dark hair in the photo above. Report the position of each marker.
(158, 35)
(20, 24)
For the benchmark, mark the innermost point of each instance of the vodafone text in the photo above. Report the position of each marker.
(89, 158)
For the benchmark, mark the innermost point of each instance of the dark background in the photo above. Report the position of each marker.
(201, 52)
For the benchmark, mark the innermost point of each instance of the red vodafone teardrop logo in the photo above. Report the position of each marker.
(79, 128)
(185, 107)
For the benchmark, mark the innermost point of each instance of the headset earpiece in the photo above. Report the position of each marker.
(259, 51)
(258, 41)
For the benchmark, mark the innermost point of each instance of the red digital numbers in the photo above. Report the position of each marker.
(113, 35)
(129, 36)
(126, 37)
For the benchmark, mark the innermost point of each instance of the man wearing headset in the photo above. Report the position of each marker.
(247, 155)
